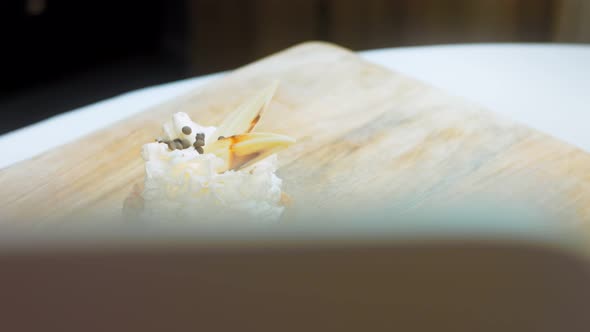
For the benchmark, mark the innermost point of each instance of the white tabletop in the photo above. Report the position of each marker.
(546, 86)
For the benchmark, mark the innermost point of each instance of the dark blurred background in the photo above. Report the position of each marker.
(58, 55)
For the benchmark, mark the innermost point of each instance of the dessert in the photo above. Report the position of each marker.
(196, 173)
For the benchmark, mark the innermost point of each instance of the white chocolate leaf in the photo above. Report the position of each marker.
(240, 151)
(246, 116)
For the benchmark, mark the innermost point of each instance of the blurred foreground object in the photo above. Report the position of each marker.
(427, 286)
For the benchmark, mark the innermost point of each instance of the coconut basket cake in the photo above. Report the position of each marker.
(210, 174)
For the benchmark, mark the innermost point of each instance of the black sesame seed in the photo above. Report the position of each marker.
(171, 145)
(199, 149)
(187, 130)
(220, 137)
(199, 142)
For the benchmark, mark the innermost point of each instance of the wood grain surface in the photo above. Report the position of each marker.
(367, 137)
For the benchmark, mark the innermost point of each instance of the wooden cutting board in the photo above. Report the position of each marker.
(367, 137)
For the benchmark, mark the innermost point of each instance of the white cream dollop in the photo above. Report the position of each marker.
(173, 128)
(183, 185)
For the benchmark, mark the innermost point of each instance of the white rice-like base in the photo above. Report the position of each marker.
(183, 185)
